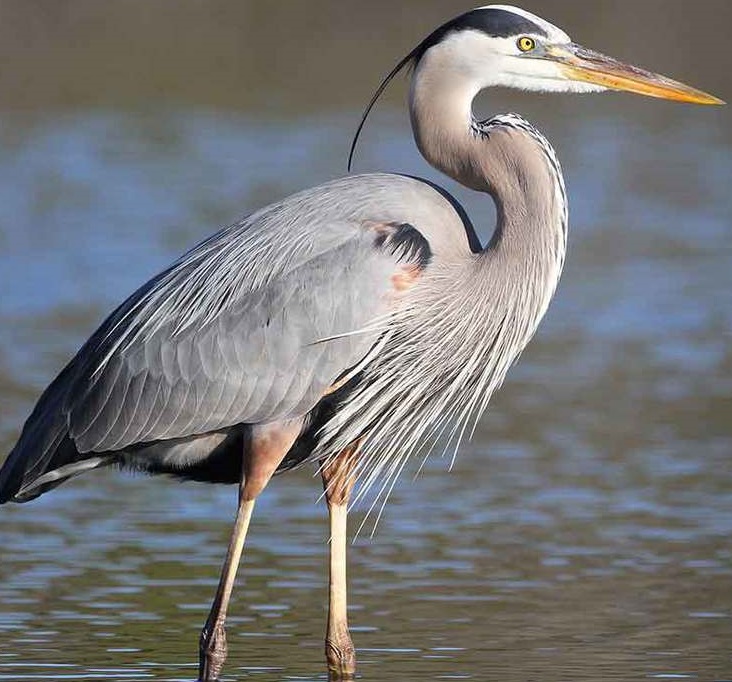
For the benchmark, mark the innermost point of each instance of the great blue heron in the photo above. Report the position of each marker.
(351, 324)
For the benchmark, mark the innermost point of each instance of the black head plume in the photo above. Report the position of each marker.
(409, 60)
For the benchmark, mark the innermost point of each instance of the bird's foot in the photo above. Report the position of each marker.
(341, 657)
(211, 652)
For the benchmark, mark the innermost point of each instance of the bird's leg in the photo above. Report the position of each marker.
(212, 647)
(265, 448)
(338, 480)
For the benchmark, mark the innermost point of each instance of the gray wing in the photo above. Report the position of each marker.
(261, 359)
(241, 329)
(254, 324)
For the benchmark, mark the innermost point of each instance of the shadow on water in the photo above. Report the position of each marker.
(582, 535)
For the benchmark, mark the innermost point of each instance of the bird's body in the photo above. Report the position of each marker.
(158, 395)
(176, 376)
(185, 364)
(356, 323)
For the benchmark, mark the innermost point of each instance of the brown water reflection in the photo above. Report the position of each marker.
(583, 535)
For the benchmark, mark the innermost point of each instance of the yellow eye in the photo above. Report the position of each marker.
(525, 44)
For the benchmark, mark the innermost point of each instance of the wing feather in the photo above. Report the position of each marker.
(98, 406)
(130, 414)
(255, 324)
(150, 406)
(173, 414)
(260, 350)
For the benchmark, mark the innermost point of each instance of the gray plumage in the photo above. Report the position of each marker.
(256, 323)
(185, 357)
(361, 311)
(373, 285)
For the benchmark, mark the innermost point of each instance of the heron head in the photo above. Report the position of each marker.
(508, 46)
(501, 45)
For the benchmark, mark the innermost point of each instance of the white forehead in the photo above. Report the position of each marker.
(556, 35)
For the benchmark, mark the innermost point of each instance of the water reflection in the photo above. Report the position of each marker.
(584, 534)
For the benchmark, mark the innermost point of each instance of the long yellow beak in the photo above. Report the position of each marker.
(581, 64)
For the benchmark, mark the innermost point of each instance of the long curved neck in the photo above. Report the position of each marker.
(440, 108)
(505, 157)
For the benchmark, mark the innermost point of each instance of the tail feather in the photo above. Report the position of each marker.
(41, 461)
(46, 456)
(43, 450)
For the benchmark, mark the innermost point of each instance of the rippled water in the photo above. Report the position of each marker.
(584, 534)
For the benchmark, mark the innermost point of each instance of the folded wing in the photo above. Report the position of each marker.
(253, 325)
